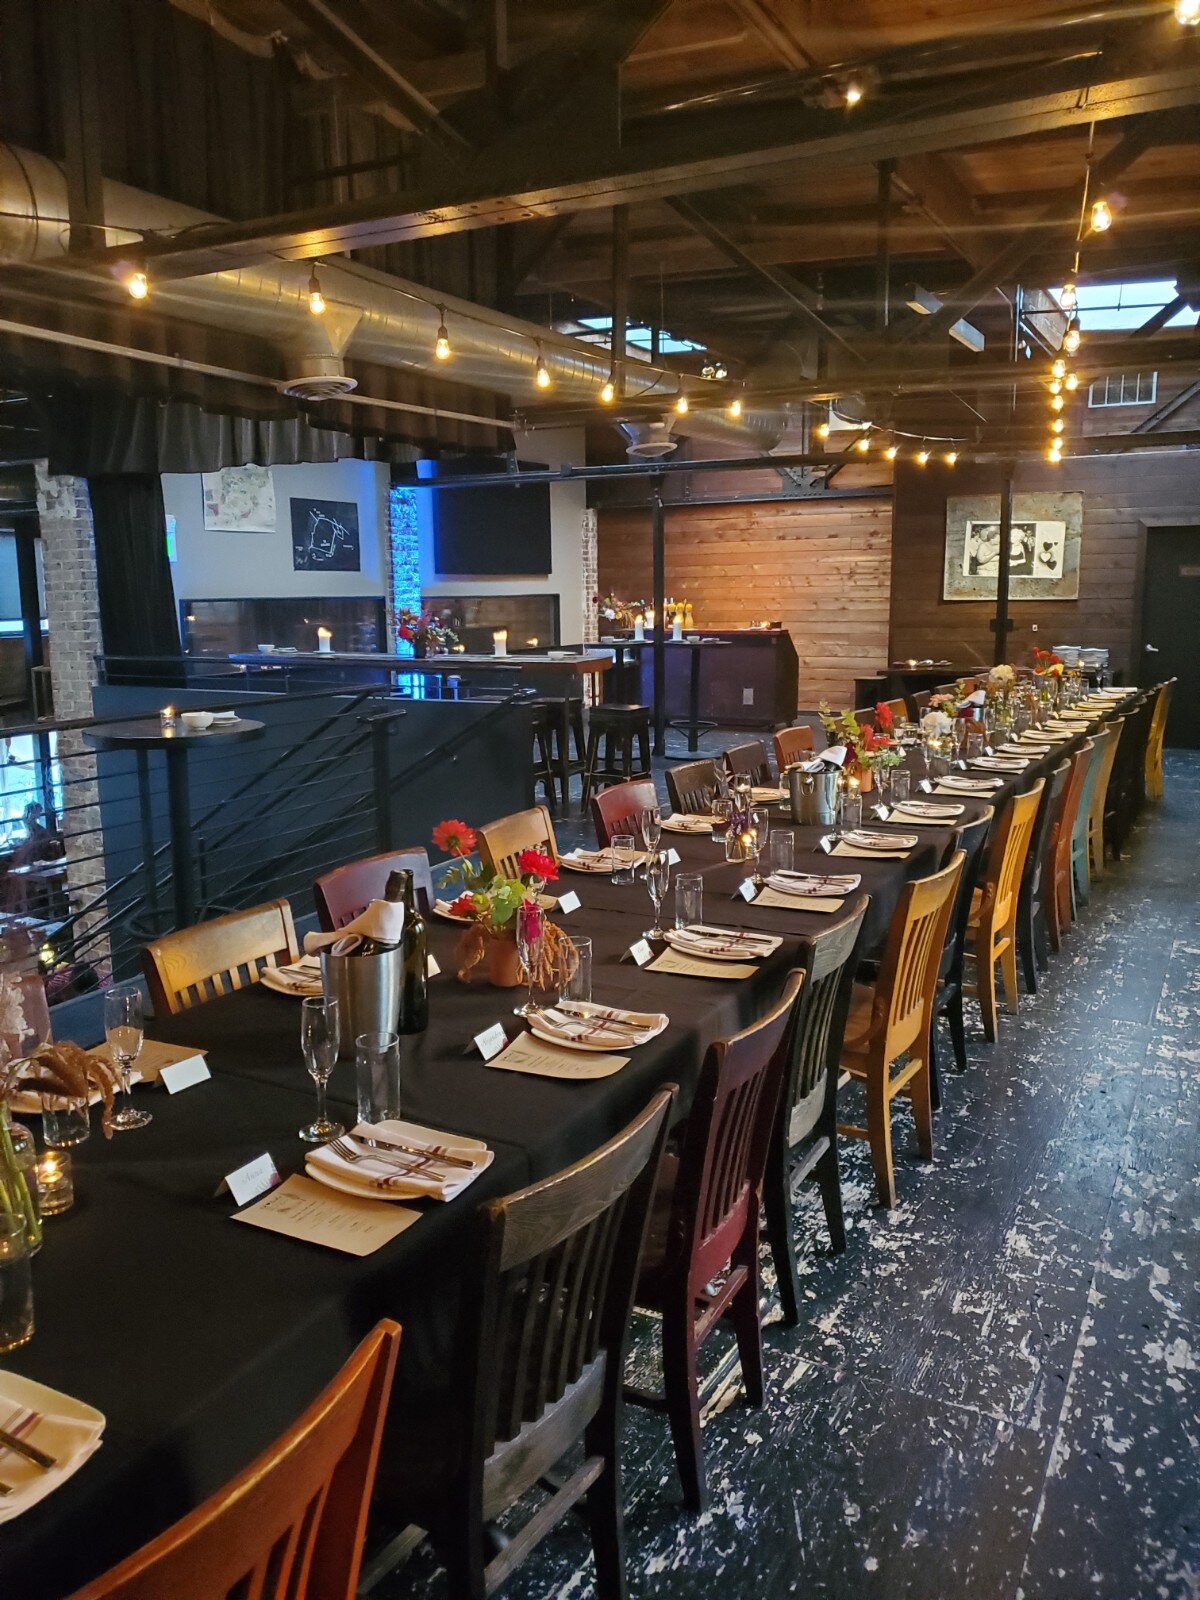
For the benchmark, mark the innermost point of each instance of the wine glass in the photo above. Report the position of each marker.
(958, 735)
(658, 878)
(651, 825)
(124, 1028)
(759, 831)
(319, 1041)
(529, 949)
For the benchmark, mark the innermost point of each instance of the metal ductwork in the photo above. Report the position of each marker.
(647, 441)
(371, 316)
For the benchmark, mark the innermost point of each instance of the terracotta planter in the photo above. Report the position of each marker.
(499, 965)
(865, 779)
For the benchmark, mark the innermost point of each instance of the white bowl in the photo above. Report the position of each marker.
(197, 720)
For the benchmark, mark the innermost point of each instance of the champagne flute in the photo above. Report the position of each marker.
(651, 826)
(658, 878)
(319, 1041)
(124, 1028)
(529, 949)
(759, 831)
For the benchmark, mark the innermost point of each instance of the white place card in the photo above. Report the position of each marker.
(827, 843)
(640, 952)
(491, 1041)
(880, 811)
(248, 1182)
(962, 765)
(431, 967)
(183, 1074)
(672, 857)
(925, 785)
(568, 902)
(745, 890)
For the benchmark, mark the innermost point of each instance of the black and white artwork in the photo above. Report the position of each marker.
(1043, 554)
(325, 536)
(1035, 549)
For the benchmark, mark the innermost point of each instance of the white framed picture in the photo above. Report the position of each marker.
(239, 500)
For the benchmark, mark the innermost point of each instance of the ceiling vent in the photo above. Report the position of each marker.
(318, 378)
(649, 440)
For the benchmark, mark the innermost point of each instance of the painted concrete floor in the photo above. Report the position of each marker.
(995, 1392)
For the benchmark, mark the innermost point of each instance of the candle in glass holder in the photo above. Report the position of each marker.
(500, 642)
(167, 717)
(324, 641)
(677, 627)
(56, 1192)
(639, 628)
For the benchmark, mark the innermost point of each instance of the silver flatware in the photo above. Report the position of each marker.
(22, 1447)
(408, 1167)
(437, 1152)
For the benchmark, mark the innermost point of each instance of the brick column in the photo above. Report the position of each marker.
(73, 620)
(590, 552)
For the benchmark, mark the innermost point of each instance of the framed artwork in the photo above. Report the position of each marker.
(239, 500)
(1043, 551)
(325, 536)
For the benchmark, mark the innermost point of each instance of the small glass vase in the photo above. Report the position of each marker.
(18, 1181)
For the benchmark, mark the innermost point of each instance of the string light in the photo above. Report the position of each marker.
(681, 405)
(1071, 381)
(1073, 340)
(735, 408)
(316, 300)
(1057, 425)
(609, 391)
(541, 375)
(951, 457)
(822, 430)
(1059, 368)
(1055, 386)
(138, 284)
(853, 92)
(862, 445)
(1187, 13)
(1057, 402)
(892, 451)
(441, 347)
(1054, 454)
(922, 458)
(1102, 217)
(1068, 297)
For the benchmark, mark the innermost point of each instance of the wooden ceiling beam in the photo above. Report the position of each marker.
(934, 188)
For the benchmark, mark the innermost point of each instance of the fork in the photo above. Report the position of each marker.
(414, 1167)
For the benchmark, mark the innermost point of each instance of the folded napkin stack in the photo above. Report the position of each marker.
(814, 885)
(62, 1427)
(400, 1161)
(722, 943)
(596, 1027)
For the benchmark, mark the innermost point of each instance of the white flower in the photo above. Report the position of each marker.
(1002, 677)
(936, 723)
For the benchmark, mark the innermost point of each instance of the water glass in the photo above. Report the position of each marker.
(319, 1040)
(124, 1029)
(901, 785)
(658, 879)
(782, 853)
(578, 985)
(624, 857)
(849, 808)
(64, 1121)
(16, 1284)
(377, 1073)
(974, 741)
(689, 899)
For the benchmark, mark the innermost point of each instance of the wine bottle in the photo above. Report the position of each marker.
(414, 956)
(393, 893)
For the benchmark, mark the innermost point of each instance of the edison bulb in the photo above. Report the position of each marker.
(541, 375)
(1072, 341)
(138, 285)
(1102, 217)
(1072, 381)
(1055, 386)
(853, 92)
(1057, 425)
(1069, 297)
(822, 430)
(609, 393)
(951, 457)
(735, 409)
(922, 457)
(681, 406)
(862, 445)
(1058, 368)
(892, 451)
(1057, 403)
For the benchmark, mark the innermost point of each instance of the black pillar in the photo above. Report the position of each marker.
(659, 602)
(1000, 621)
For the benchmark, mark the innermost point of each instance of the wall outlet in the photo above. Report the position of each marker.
(1033, 627)
(747, 697)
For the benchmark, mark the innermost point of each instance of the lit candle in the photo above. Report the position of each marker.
(166, 717)
(677, 627)
(639, 628)
(324, 641)
(650, 619)
(500, 642)
(55, 1190)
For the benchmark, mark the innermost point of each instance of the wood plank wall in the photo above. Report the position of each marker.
(823, 568)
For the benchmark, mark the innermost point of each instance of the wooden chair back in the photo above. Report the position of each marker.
(693, 786)
(752, 759)
(292, 1524)
(791, 745)
(898, 708)
(1058, 850)
(1099, 803)
(1000, 883)
(920, 702)
(908, 972)
(502, 841)
(215, 958)
(865, 716)
(1101, 739)
(345, 892)
(813, 1044)
(619, 809)
(972, 840)
(724, 1150)
(1154, 745)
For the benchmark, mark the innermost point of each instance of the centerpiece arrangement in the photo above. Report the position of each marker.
(424, 632)
(869, 751)
(498, 908)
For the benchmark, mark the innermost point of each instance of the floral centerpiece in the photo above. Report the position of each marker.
(424, 632)
(620, 613)
(880, 749)
(937, 723)
(868, 750)
(493, 903)
(1046, 664)
(1000, 681)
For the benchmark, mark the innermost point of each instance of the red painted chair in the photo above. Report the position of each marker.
(619, 808)
(346, 892)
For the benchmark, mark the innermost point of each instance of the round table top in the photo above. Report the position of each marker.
(147, 733)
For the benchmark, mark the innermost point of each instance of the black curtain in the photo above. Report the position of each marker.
(133, 575)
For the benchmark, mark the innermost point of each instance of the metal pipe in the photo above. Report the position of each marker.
(659, 601)
(1000, 621)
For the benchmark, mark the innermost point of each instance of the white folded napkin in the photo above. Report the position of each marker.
(687, 822)
(767, 792)
(606, 1026)
(397, 1174)
(701, 940)
(64, 1428)
(301, 977)
(1000, 763)
(865, 839)
(606, 860)
(959, 783)
(383, 920)
(814, 885)
(925, 811)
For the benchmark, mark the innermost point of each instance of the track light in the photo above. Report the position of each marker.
(1058, 368)
(1068, 297)
(540, 375)
(441, 345)
(138, 284)
(1071, 381)
(1187, 12)
(892, 451)
(316, 300)
(681, 404)
(951, 457)
(1102, 217)
(922, 458)
(735, 408)
(822, 430)
(1072, 341)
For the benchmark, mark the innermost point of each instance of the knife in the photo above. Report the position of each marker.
(39, 1458)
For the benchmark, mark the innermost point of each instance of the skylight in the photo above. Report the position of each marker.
(1112, 306)
(598, 330)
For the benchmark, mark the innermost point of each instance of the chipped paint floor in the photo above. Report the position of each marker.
(995, 1392)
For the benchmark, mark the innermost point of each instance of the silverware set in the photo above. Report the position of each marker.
(22, 1447)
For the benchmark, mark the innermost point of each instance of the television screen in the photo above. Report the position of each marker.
(491, 531)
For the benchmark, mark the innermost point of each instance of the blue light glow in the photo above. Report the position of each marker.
(405, 559)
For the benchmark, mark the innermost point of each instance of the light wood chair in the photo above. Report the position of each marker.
(792, 744)
(215, 958)
(1154, 746)
(1081, 877)
(1095, 823)
(345, 892)
(993, 919)
(502, 841)
(898, 708)
(892, 1019)
(291, 1525)
(1057, 892)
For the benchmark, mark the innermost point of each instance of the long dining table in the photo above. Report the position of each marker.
(201, 1341)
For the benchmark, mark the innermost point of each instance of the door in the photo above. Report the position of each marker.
(1171, 626)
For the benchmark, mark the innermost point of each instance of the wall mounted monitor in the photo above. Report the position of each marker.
(489, 532)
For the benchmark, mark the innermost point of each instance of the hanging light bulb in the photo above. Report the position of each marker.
(1059, 368)
(735, 408)
(138, 284)
(1071, 381)
(1187, 13)
(540, 374)
(441, 345)
(608, 391)
(1057, 402)
(681, 404)
(922, 458)
(1054, 454)
(316, 300)
(1073, 340)
(1055, 386)
(951, 457)
(892, 451)
(822, 430)
(1102, 217)
(863, 445)
(1068, 297)
(1057, 425)
(853, 92)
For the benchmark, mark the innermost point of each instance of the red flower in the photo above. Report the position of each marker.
(464, 906)
(404, 631)
(883, 715)
(537, 864)
(455, 838)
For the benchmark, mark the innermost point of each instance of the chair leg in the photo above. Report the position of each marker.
(935, 1077)
(1008, 969)
(778, 1209)
(830, 1180)
(746, 1318)
(985, 984)
(919, 1092)
(958, 1033)
(1026, 939)
(682, 1385)
(459, 1542)
(603, 1510)
(879, 1133)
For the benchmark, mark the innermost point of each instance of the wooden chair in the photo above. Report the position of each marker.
(994, 912)
(972, 840)
(502, 841)
(865, 716)
(551, 1281)
(214, 958)
(1115, 729)
(693, 786)
(1081, 877)
(1127, 781)
(706, 1220)
(1057, 894)
(619, 809)
(1033, 936)
(291, 1525)
(804, 1135)
(752, 759)
(791, 745)
(1154, 745)
(893, 1018)
(920, 703)
(898, 708)
(347, 891)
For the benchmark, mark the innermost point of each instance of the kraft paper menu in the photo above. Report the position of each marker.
(545, 1060)
(682, 965)
(778, 901)
(300, 1208)
(844, 849)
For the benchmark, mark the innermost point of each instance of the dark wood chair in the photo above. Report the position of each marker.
(552, 1278)
(751, 759)
(619, 809)
(1033, 943)
(919, 703)
(865, 716)
(804, 1137)
(972, 840)
(693, 786)
(291, 1525)
(706, 1220)
(1056, 896)
(791, 745)
(345, 892)
(618, 747)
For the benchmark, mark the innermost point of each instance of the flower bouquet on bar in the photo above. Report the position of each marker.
(424, 632)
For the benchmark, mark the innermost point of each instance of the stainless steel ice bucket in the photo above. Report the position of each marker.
(367, 990)
(813, 796)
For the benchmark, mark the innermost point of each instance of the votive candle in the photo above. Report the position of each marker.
(500, 642)
(324, 641)
(56, 1192)
(166, 717)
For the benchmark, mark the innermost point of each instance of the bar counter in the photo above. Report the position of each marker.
(750, 684)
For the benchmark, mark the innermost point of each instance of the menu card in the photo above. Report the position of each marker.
(798, 902)
(682, 965)
(844, 849)
(300, 1208)
(545, 1060)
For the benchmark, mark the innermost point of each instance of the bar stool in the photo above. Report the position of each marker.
(617, 728)
(564, 722)
(544, 770)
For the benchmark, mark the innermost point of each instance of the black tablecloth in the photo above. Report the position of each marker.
(201, 1340)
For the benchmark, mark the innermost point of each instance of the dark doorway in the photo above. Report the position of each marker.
(1171, 626)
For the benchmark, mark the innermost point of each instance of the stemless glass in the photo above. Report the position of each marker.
(901, 785)
(689, 899)
(529, 949)
(578, 985)
(124, 1028)
(64, 1121)
(658, 878)
(377, 1076)
(782, 853)
(624, 857)
(319, 1041)
(974, 741)
(16, 1284)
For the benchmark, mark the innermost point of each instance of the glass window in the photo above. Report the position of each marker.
(1106, 306)
(1124, 389)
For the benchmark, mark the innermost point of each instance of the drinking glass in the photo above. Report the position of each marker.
(16, 1284)
(759, 830)
(849, 808)
(658, 879)
(624, 857)
(124, 1029)
(64, 1121)
(377, 1076)
(958, 734)
(689, 899)
(719, 807)
(578, 985)
(974, 741)
(782, 853)
(529, 949)
(319, 1042)
(651, 826)
(901, 785)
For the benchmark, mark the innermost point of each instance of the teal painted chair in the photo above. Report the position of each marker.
(1081, 875)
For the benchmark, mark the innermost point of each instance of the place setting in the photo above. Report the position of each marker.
(786, 890)
(687, 822)
(608, 861)
(702, 950)
(866, 844)
(45, 1437)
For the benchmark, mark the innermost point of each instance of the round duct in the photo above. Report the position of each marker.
(648, 440)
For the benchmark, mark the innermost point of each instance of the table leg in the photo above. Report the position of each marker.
(564, 753)
(694, 702)
(182, 855)
(149, 872)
